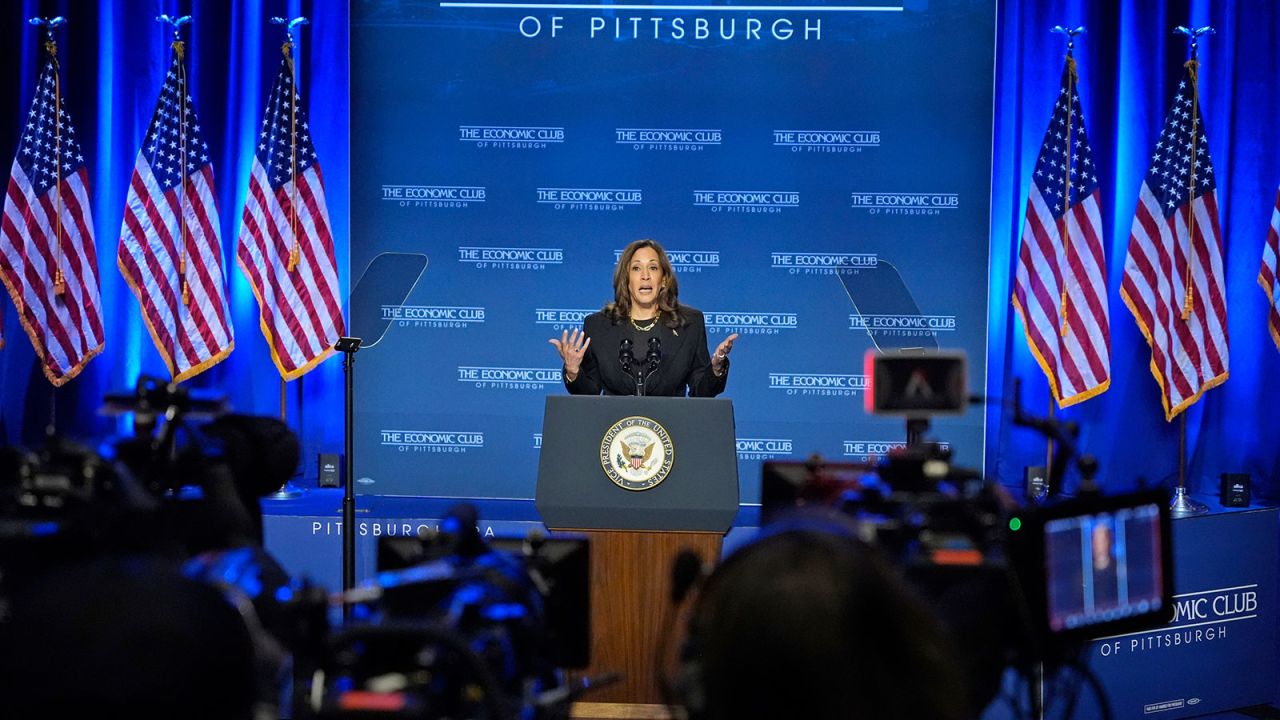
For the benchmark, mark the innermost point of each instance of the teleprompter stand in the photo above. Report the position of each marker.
(348, 346)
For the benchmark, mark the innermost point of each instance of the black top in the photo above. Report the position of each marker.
(1106, 592)
(685, 367)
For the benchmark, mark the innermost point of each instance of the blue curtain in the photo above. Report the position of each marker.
(114, 55)
(1129, 61)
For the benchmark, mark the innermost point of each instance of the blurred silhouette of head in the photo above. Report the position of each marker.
(811, 622)
(124, 637)
(262, 451)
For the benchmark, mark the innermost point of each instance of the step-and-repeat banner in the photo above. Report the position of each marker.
(819, 174)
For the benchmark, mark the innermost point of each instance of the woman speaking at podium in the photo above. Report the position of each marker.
(644, 342)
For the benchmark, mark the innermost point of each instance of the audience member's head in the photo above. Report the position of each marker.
(127, 638)
(810, 622)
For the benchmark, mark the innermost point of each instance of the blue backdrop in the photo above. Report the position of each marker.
(114, 54)
(519, 150)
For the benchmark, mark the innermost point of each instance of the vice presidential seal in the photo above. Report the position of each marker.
(636, 453)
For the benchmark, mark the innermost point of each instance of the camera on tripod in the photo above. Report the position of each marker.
(1067, 571)
(453, 626)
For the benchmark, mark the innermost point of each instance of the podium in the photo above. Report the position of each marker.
(643, 478)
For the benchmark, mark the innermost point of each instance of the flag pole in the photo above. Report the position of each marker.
(287, 491)
(1182, 505)
(290, 490)
(1070, 34)
(51, 46)
(179, 49)
(1066, 169)
(294, 250)
(59, 281)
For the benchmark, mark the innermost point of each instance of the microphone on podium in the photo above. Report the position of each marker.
(625, 357)
(654, 356)
(640, 372)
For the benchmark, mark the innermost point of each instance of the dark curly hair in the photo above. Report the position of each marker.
(619, 310)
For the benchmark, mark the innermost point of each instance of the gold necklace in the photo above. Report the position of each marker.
(645, 328)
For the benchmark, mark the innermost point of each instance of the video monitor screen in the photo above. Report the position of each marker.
(1104, 566)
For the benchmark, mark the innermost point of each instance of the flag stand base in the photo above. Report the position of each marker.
(288, 491)
(1184, 506)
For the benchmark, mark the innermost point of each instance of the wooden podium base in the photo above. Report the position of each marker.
(631, 610)
(619, 711)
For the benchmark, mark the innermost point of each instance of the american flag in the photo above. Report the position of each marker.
(47, 257)
(286, 249)
(170, 243)
(1173, 281)
(1060, 288)
(1270, 269)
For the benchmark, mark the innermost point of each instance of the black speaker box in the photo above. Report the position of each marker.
(1034, 482)
(1234, 490)
(330, 470)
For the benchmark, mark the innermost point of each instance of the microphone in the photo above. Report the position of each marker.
(624, 355)
(686, 572)
(461, 527)
(654, 356)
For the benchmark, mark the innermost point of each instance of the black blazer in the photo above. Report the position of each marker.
(685, 367)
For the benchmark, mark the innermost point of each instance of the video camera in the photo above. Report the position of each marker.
(1065, 571)
(146, 554)
(187, 480)
(107, 557)
(1043, 559)
(454, 627)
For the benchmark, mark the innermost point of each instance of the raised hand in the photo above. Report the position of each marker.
(721, 354)
(571, 348)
